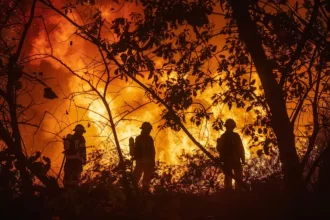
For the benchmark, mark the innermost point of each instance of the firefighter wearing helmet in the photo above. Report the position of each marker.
(144, 154)
(75, 154)
(232, 153)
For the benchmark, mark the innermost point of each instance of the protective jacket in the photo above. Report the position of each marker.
(75, 148)
(144, 148)
(75, 153)
(231, 149)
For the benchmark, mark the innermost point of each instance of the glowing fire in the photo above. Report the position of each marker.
(78, 54)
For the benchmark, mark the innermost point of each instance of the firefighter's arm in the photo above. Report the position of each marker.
(137, 147)
(242, 151)
(220, 147)
(82, 150)
(153, 149)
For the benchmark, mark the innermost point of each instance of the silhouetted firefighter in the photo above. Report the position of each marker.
(143, 151)
(232, 154)
(75, 153)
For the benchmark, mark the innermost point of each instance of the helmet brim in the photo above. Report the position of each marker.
(146, 128)
(79, 130)
(230, 126)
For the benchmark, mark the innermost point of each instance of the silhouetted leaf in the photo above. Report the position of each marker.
(46, 159)
(123, 57)
(49, 94)
(35, 157)
(249, 108)
(266, 146)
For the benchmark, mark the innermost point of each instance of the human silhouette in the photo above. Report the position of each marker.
(232, 154)
(144, 154)
(75, 153)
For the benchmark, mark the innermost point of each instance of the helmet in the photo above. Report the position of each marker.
(230, 123)
(79, 127)
(146, 125)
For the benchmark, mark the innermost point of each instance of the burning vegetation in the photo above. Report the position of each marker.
(185, 67)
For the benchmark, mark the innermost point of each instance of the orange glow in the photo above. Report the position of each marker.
(83, 57)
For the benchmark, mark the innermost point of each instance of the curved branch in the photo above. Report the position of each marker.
(304, 37)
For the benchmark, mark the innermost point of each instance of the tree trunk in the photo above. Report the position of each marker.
(279, 118)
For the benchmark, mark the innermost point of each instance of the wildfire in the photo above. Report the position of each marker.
(80, 55)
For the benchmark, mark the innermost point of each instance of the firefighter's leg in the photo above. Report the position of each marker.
(72, 173)
(137, 173)
(67, 174)
(76, 178)
(76, 172)
(66, 178)
(239, 174)
(228, 179)
(228, 182)
(149, 169)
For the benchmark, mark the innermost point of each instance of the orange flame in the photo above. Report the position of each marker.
(78, 55)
